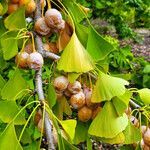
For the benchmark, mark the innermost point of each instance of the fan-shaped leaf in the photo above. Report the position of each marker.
(15, 85)
(75, 58)
(108, 87)
(8, 139)
(107, 123)
(69, 126)
(8, 110)
(145, 95)
(97, 46)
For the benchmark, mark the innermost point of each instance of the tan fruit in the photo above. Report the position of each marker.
(53, 18)
(61, 26)
(14, 1)
(35, 61)
(75, 87)
(60, 83)
(84, 114)
(67, 93)
(128, 111)
(53, 48)
(28, 48)
(146, 137)
(46, 46)
(12, 8)
(41, 27)
(78, 100)
(23, 2)
(96, 111)
(21, 60)
(143, 129)
(41, 126)
(37, 117)
(30, 7)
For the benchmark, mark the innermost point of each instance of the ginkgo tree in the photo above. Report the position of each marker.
(55, 91)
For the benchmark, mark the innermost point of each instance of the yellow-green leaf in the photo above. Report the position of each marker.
(8, 139)
(107, 123)
(145, 95)
(75, 58)
(108, 87)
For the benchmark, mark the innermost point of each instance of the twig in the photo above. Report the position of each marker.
(133, 104)
(38, 84)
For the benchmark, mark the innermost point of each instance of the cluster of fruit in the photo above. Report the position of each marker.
(79, 97)
(51, 22)
(30, 6)
(32, 60)
(145, 142)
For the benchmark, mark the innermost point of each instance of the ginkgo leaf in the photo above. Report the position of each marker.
(8, 139)
(121, 102)
(119, 139)
(108, 87)
(78, 60)
(69, 126)
(97, 46)
(132, 134)
(14, 86)
(2, 82)
(8, 110)
(16, 20)
(107, 123)
(73, 76)
(145, 95)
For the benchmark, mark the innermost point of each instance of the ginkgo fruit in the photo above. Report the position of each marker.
(60, 83)
(75, 87)
(146, 137)
(77, 100)
(15, 1)
(53, 18)
(35, 61)
(96, 111)
(30, 7)
(84, 114)
(41, 27)
(21, 60)
(12, 8)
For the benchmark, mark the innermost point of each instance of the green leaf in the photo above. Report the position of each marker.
(97, 46)
(132, 134)
(8, 110)
(4, 7)
(107, 123)
(78, 60)
(69, 126)
(73, 76)
(145, 95)
(81, 128)
(51, 95)
(16, 20)
(119, 139)
(108, 87)
(15, 85)
(9, 48)
(2, 27)
(121, 102)
(89, 143)
(2, 82)
(8, 139)
(146, 69)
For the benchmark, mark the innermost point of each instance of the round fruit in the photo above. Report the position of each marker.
(67, 93)
(41, 126)
(30, 7)
(53, 48)
(46, 46)
(35, 61)
(41, 27)
(12, 8)
(78, 100)
(37, 117)
(84, 114)
(23, 2)
(75, 87)
(60, 83)
(61, 26)
(28, 48)
(15, 1)
(143, 129)
(21, 59)
(96, 111)
(128, 111)
(53, 18)
(146, 137)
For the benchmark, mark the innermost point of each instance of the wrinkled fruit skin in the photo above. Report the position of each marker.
(96, 111)
(78, 100)
(53, 18)
(12, 8)
(21, 60)
(61, 25)
(60, 83)
(84, 114)
(146, 137)
(75, 87)
(35, 61)
(15, 1)
(134, 121)
(41, 27)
